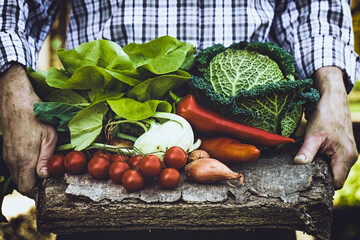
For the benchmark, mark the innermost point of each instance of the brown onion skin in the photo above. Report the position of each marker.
(198, 154)
(209, 170)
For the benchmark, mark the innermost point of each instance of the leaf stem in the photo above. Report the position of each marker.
(82, 104)
(64, 147)
(126, 136)
(132, 121)
(176, 98)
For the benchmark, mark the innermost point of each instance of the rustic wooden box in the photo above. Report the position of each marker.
(276, 194)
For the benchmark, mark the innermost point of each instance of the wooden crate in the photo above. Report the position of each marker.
(276, 194)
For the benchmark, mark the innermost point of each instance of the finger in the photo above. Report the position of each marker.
(27, 180)
(47, 148)
(340, 171)
(308, 150)
(341, 165)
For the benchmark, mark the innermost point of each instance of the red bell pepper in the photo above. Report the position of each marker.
(210, 122)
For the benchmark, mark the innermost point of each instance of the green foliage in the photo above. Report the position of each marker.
(131, 109)
(357, 86)
(133, 81)
(86, 125)
(56, 114)
(253, 83)
(240, 67)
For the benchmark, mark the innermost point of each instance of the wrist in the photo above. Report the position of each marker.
(329, 81)
(16, 89)
(333, 96)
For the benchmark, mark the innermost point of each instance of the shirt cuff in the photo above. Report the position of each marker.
(320, 51)
(16, 48)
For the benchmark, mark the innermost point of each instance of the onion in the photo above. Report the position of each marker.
(198, 154)
(209, 170)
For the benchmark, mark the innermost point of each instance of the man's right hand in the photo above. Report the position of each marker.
(27, 143)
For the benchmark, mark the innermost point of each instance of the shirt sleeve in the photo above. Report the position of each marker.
(318, 33)
(24, 26)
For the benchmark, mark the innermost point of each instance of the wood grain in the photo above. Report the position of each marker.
(276, 194)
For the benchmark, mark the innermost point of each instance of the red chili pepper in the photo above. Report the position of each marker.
(229, 150)
(207, 121)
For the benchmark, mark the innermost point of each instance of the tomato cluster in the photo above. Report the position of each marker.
(132, 172)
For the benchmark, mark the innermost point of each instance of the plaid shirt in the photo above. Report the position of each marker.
(318, 33)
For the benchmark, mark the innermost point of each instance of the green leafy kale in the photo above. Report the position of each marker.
(253, 83)
(56, 114)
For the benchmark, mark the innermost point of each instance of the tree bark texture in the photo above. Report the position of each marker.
(276, 194)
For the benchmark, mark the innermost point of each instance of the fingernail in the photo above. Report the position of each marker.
(300, 159)
(43, 171)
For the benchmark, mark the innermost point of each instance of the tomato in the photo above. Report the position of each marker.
(135, 160)
(175, 157)
(75, 162)
(132, 180)
(169, 178)
(119, 157)
(116, 171)
(102, 154)
(98, 167)
(56, 166)
(150, 166)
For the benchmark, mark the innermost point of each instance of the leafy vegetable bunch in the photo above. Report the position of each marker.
(256, 84)
(100, 81)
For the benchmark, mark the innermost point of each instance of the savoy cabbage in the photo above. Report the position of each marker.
(253, 83)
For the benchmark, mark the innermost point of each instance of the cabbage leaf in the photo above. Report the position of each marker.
(256, 84)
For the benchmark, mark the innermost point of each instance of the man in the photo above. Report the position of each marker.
(318, 33)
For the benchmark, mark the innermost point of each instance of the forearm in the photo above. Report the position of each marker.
(329, 81)
(16, 90)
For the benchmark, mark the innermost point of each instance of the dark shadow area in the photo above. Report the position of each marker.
(184, 235)
(346, 223)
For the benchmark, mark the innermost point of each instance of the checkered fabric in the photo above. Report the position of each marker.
(318, 33)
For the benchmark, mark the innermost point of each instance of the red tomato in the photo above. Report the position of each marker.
(116, 171)
(150, 166)
(56, 166)
(75, 162)
(119, 157)
(98, 168)
(132, 180)
(175, 157)
(135, 160)
(169, 178)
(102, 154)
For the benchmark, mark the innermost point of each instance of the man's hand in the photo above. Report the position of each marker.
(27, 143)
(329, 129)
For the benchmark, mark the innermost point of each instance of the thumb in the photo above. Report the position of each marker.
(47, 148)
(308, 150)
